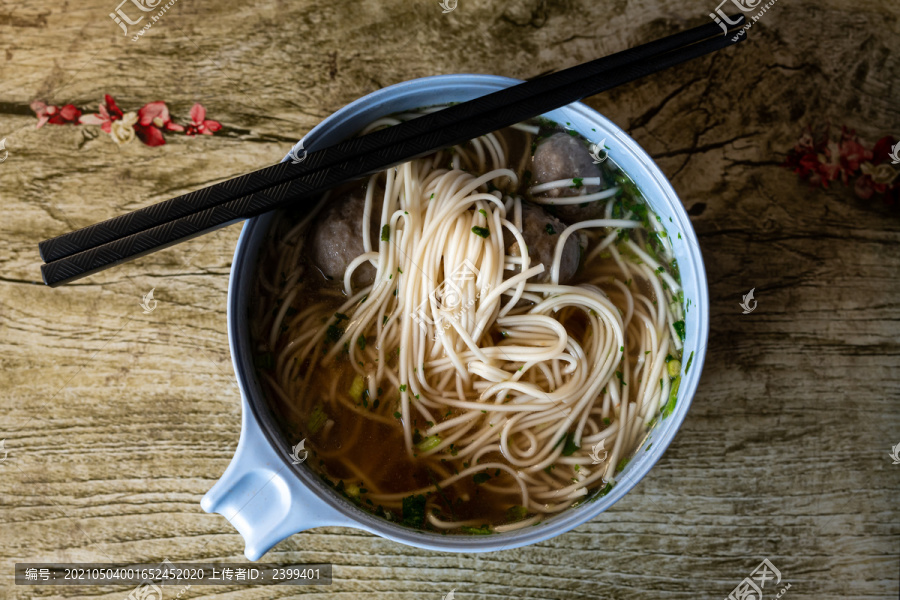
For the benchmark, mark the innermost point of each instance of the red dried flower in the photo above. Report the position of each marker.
(152, 119)
(852, 153)
(199, 123)
(109, 112)
(881, 152)
(821, 160)
(48, 113)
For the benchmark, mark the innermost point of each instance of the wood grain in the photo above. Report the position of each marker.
(117, 422)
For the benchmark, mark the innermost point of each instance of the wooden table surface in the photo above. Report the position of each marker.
(117, 422)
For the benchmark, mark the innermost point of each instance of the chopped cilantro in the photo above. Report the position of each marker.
(386, 233)
(334, 333)
(265, 360)
(679, 329)
(516, 513)
(483, 530)
(414, 510)
(570, 447)
(481, 231)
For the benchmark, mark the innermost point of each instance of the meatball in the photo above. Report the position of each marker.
(541, 231)
(562, 156)
(336, 239)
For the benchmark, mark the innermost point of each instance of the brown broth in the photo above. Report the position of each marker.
(377, 449)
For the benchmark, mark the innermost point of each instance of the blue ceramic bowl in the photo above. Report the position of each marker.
(267, 498)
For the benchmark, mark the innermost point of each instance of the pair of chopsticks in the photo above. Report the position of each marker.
(79, 253)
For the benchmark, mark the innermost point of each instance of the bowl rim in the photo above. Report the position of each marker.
(246, 252)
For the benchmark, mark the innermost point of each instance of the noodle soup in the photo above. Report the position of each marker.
(476, 340)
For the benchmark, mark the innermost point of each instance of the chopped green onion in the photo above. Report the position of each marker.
(432, 441)
(674, 367)
(673, 395)
(316, 419)
(357, 388)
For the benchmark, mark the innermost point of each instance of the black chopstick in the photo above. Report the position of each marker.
(205, 198)
(366, 161)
